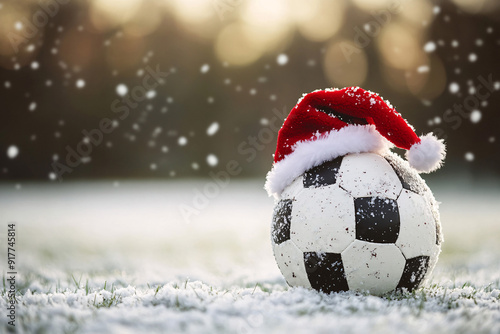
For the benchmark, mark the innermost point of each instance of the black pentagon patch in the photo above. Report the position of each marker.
(325, 271)
(408, 181)
(377, 219)
(414, 273)
(282, 217)
(322, 175)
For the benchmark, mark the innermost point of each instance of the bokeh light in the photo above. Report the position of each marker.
(263, 52)
(399, 46)
(318, 20)
(109, 14)
(345, 64)
(234, 45)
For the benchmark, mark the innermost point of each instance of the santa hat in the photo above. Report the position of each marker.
(326, 124)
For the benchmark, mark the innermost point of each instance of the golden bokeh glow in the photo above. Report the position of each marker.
(192, 11)
(369, 5)
(345, 64)
(416, 12)
(14, 31)
(475, 6)
(234, 46)
(318, 20)
(144, 21)
(399, 46)
(106, 14)
(268, 24)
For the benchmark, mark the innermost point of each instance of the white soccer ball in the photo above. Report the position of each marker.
(361, 222)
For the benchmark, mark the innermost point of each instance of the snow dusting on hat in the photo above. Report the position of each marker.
(326, 124)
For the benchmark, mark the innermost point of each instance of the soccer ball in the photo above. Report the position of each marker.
(360, 222)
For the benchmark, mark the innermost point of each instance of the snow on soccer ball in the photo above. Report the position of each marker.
(359, 222)
(350, 214)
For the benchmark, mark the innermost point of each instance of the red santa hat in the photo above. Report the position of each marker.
(326, 124)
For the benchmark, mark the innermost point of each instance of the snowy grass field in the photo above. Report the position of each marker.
(119, 258)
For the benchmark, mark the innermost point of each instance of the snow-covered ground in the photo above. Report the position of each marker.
(120, 258)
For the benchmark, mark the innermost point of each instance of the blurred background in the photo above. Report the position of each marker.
(177, 88)
(134, 105)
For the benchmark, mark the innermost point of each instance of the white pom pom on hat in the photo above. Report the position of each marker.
(326, 124)
(427, 155)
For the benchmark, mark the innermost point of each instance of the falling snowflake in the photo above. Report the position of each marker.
(12, 151)
(80, 83)
(429, 46)
(213, 128)
(454, 88)
(121, 90)
(212, 160)
(282, 59)
(205, 68)
(475, 116)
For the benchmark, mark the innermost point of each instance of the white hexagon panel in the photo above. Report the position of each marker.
(323, 220)
(417, 234)
(293, 189)
(369, 175)
(373, 267)
(290, 260)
